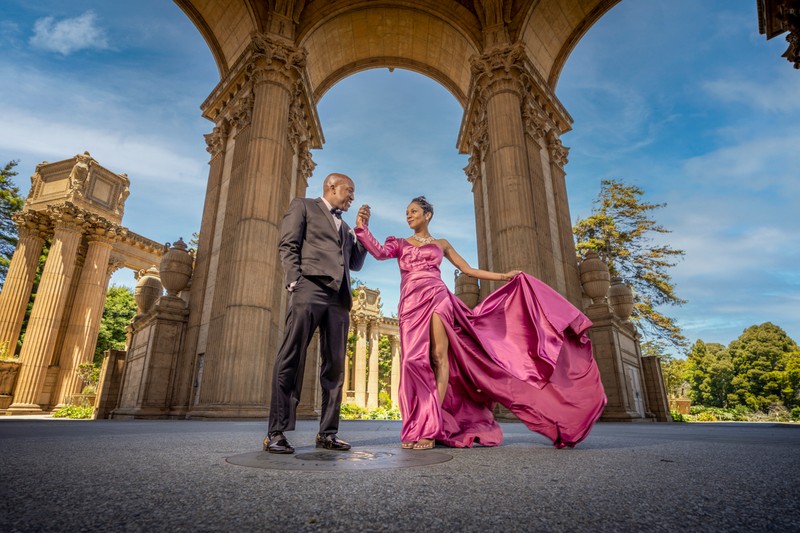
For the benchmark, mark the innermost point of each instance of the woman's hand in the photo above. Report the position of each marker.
(362, 218)
(509, 275)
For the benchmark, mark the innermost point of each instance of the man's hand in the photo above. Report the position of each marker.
(362, 219)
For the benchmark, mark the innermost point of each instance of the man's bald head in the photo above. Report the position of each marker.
(339, 190)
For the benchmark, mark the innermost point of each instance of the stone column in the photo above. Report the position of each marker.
(360, 371)
(87, 311)
(395, 385)
(496, 78)
(373, 382)
(200, 295)
(238, 365)
(19, 280)
(45, 319)
(474, 171)
(558, 158)
(548, 243)
(346, 384)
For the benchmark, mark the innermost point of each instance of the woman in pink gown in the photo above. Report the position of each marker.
(524, 347)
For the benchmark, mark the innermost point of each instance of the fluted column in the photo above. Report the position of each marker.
(395, 385)
(48, 308)
(19, 280)
(247, 296)
(569, 261)
(360, 371)
(374, 366)
(84, 320)
(201, 295)
(346, 383)
(509, 185)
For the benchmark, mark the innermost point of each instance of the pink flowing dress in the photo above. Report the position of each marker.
(523, 347)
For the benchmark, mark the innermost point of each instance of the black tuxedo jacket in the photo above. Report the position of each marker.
(310, 246)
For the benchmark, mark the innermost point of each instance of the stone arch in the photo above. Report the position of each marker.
(400, 36)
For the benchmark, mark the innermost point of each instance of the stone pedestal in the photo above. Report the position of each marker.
(657, 401)
(108, 388)
(616, 349)
(149, 373)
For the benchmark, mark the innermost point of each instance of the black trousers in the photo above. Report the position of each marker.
(311, 306)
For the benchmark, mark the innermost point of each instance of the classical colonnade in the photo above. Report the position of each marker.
(75, 206)
(362, 375)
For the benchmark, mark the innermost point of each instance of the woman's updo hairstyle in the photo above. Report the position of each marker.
(424, 204)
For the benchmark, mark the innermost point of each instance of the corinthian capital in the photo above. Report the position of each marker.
(558, 152)
(500, 68)
(31, 224)
(215, 141)
(473, 169)
(274, 60)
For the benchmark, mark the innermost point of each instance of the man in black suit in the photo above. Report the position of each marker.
(318, 250)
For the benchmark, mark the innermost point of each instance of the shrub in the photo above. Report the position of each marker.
(74, 411)
(677, 417)
(351, 411)
(795, 415)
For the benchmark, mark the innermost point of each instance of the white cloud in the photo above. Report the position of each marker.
(69, 35)
(778, 92)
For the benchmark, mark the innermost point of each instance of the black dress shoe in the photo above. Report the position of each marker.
(276, 442)
(332, 442)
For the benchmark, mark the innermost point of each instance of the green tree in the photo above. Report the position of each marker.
(765, 367)
(120, 308)
(10, 203)
(620, 229)
(710, 374)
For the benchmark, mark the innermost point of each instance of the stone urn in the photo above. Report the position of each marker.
(620, 297)
(467, 290)
(148, 289)
(595, 277)
(176, 267)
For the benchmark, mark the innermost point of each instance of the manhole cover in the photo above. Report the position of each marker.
(355, 459)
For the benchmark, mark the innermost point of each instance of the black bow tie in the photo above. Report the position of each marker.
(335, 211)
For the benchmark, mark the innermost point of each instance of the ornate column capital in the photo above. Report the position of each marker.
(473, 169)
(558, 152)
(115, 263)
(215, 141)
(535, 121)
(67, 216)
(275, 61)
(32, 224)
(500, 69)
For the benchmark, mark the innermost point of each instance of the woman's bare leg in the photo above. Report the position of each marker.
(439, 361)
(441, 367)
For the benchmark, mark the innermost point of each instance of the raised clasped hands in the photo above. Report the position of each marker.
(362, 218)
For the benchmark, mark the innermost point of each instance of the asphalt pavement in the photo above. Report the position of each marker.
(161, 475)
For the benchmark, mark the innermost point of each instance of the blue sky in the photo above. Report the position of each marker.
(683, 98)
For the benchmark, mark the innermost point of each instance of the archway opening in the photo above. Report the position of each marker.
(394, 132)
